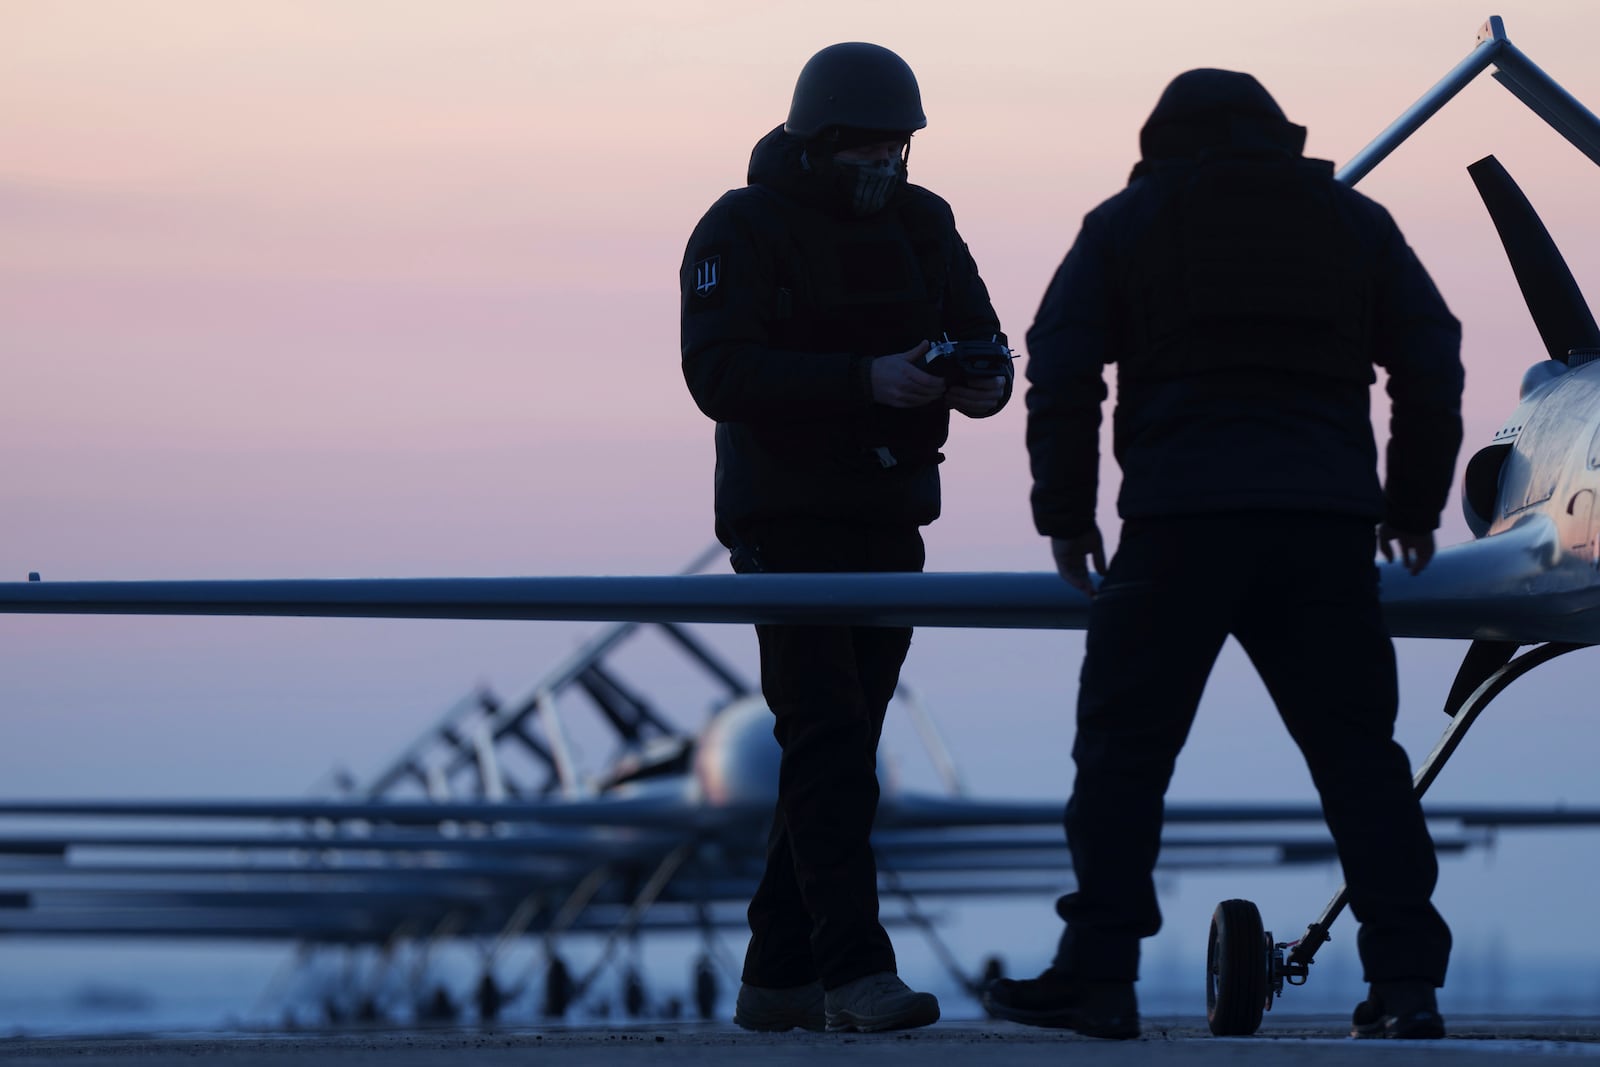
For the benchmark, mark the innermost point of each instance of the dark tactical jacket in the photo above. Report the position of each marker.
(1245, 297)
(785, 302)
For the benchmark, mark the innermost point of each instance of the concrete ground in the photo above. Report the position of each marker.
(1315, 1040)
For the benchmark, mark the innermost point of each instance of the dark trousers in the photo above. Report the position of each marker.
(1299, 593)
(815, 913)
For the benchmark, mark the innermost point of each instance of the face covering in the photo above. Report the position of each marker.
(867, 187)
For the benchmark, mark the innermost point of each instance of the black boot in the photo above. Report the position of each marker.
(1094, 1009)
(1404, 1010)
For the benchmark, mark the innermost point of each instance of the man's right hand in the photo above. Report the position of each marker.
(898, 382)
(1415, 549)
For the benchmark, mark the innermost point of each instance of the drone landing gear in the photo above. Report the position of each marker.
(558, 989)
(633, 998)
(705, 988)
(1245, 969)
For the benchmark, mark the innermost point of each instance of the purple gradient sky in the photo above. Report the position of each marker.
(297, 289)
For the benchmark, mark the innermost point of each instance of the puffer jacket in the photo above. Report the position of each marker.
(1245, 298)
(786, 300)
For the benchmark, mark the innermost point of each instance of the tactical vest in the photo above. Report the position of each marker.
(868, 286)
(1247, 265)
(871, 287)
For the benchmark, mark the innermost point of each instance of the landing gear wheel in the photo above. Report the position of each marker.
(1238, 962)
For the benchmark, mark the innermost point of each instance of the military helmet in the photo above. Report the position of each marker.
(855, 85)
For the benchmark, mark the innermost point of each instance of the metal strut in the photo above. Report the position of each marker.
(630, 920)
(916, 917)
(1291, 960)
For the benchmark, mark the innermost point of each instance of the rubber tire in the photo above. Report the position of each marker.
(1236, 970)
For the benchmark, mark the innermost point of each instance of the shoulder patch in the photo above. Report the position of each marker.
(707, 274)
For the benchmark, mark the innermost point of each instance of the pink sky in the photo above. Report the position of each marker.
(290, 289)
(339, 270)
(373, 288)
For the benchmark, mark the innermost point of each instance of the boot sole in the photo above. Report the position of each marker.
(778, 1011)
(1416, 1028)
(776, 1026)
(847, 1021)
(1065, 1020)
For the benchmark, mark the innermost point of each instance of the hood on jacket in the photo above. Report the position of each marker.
(1206, 110)
(776, 162)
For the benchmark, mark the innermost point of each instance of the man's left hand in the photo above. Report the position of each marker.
(1072, 555)
(976, 398)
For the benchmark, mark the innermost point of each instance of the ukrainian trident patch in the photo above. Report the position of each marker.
(707, 272)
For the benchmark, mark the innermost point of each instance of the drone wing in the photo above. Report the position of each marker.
(1515, 586)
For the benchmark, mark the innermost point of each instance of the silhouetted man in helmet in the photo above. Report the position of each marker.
(809, 298)
(1245, 297)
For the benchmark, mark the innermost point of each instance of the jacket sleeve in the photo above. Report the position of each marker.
(1069, 344)
(968, 313)
(1418, 341)
(728, 286)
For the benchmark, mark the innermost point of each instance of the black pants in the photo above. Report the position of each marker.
(815, 913)
(1299, 593)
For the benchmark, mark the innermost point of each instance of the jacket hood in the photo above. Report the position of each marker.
(776, 163)
(1209, 110)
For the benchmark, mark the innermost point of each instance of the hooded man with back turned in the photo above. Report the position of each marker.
(1245, 297)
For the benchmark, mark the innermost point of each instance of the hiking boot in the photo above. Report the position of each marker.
(879, 1002)
(1094, 1009)
(775, 1010)
(1403, 1010)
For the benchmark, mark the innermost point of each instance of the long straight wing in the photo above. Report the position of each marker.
(1515, 586)
(341, 871)
(1004, 600)
(564, 826)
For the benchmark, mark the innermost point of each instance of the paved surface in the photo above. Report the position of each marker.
(1315, 1040)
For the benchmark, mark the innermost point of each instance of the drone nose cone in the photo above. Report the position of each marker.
(737, 757)
(736, 761)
